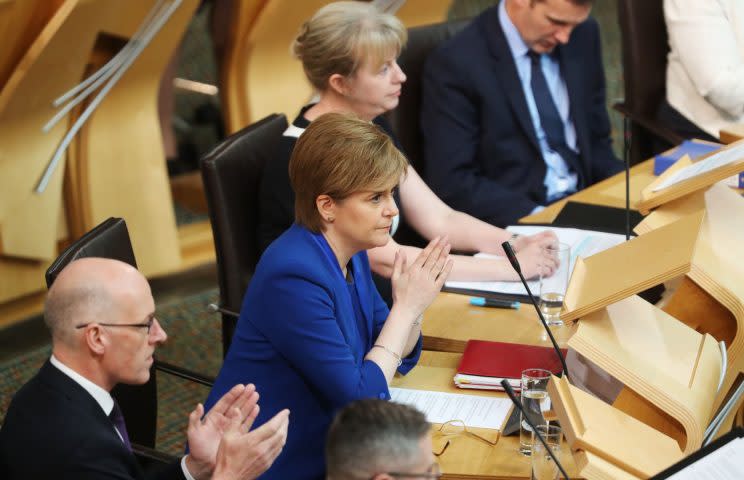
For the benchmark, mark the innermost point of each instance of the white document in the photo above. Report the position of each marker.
(725, 463)
(723, 157)
(441, 407)
(584, 243)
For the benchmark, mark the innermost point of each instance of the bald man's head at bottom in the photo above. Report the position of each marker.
(97, 311)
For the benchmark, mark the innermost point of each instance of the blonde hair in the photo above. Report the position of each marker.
(342, 36)
(337, 155)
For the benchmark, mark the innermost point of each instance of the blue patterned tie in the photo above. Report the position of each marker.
(550, 119)
(117, 418)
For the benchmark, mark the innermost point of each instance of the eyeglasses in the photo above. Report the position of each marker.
(432, 472)
(147, 325)
(457, 427)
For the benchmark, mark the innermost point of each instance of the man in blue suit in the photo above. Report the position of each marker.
(513, 110)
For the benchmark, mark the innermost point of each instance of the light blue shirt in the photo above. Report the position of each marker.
(559, 180)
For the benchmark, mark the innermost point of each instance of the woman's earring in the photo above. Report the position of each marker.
(331, 219)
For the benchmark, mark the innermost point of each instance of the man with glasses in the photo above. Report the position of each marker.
(65, 424)
(374, 439)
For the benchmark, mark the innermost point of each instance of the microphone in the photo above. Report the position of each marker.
(627, 137)
(513, 397)
(515, 264)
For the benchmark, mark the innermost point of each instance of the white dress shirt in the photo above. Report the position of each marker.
(103, 398)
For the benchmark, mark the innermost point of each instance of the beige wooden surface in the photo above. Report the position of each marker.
(672, 368)
(451, 321)
(467, 457)
(121, 146)
(118, 167)
(618, 440)
(631, 267)
(52, 63)
(713, 300)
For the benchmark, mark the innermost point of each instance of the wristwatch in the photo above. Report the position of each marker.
(513, 239)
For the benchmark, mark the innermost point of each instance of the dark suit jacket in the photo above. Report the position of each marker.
(480, 147)
(300, 342)
(55, 429)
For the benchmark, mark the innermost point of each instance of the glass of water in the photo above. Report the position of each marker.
(535, 401)
(553, 287)
(543, 466)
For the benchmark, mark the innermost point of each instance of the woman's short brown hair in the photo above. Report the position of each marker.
(341, 36)
(337, 155)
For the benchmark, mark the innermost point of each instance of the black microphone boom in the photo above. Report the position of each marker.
(515, 264)
(626, 154)
(509, 391)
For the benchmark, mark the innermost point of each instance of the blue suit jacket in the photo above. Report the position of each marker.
(299, 342)
(481, 150)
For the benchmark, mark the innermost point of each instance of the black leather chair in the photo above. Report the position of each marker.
(110, 239)
(405, 119)
(232, 176)
(644, 53)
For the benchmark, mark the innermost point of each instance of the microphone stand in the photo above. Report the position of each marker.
(626, 158)
(509, 391)
(515, 264)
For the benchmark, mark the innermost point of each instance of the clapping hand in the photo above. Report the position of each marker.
(204, 434)
(416, 286)
(245, 455)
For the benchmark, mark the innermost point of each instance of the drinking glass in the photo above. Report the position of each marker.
(543, 466)
(553, 288)
(534, 397)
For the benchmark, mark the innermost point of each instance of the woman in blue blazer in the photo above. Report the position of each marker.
(313, 333)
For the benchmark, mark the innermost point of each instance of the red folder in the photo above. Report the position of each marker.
(484, 363)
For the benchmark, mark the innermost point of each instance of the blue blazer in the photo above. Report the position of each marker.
(480, 147)
(298, 340)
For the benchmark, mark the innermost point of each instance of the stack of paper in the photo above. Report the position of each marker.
(584, 243)
(441, 407)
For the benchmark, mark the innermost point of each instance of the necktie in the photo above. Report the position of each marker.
(550, 119)
(117, 418)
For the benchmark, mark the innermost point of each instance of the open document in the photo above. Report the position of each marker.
(727, 462)
(584, 243)
(716, 160)
(441, 407)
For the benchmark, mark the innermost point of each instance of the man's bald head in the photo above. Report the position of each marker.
(88, 290)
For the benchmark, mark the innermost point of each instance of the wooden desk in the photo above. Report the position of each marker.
(451, 321)
(467, 457)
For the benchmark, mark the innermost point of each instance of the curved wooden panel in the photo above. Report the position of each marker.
(260, 76)
(117, 165)
(21, 21)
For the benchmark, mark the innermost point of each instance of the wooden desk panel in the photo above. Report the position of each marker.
(467, 457)
(451, 321)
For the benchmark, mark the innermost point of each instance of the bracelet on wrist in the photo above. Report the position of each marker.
(397, 357)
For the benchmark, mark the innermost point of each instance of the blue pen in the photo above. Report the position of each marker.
(490, 302)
